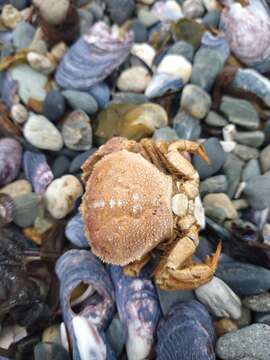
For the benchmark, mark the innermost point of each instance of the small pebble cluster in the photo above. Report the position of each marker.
(73, 74)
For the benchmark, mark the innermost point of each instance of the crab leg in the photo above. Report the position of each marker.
(134, 268)
(189, 146)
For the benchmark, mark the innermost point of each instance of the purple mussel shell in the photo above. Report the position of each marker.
(93, 57)
(10, 160)
(8, 90)
(138, 309)
(186, 332)
(74, 232)
(37, 171)
(218, 43)
(247, 29)
(95, 305)
(7, 209)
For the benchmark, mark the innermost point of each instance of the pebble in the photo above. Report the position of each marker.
(265, 159)
(116, 335)
(245, 318)
(32, 84)
(214, 184)
(193, 8)
(195, 101)
(257, 191)
(77, 131)
(211, 18)
(54, 105)
(215, 213)
(140, 31)
(246, 153)
(188, 30)
(251, 169)
(10, 16)
(145, 52)
(211, 5)
(186, 126)
(41, 133)
(221, 200)
(79, 100)
(19, 113)
(240, 112)
(52, 334)
(53, 12)
(215, 154)
(27, 208)
(60, 166)
(61, 195)
(168, 298)
(223, 326)
(175, 65)
(166, 134)
(40, 62)
(251, 341)
(215, 120)
(101, 93)
(250, 138)
(17, 188)
(182, 48)
(50, 351)
(120, 10)
(244, 278)
(22, 35)
(262, 318)
(258, 303)
(134, 79)
(77, 162)
(232, 168)
(148, 18)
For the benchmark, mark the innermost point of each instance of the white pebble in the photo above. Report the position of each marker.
(229, 131)
(10, 16)
(228, 146)
(176, 65)
(19, 113)
(145, 52)
(61, 195)
(134, 79)
(40, 62)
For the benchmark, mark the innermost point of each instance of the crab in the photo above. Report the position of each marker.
(142, 198)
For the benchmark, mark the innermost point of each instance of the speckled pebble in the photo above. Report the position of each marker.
(258, 303)
(195, 101)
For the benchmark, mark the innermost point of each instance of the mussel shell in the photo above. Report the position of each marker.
(92, 58)
(10, 160)
(186, 332)
(218, 43)
(7, 208)
(37, 171)
(163, 83)
(74, 232)
(9, 89)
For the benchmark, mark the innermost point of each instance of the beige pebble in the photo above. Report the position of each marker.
(58, 51)
(19, 113)
(52, 334)
(10, 16)
(224, 326)
(61, 195)
(222, 201)
(145, 52)
(40, 62)
(134, 79)
(17, 188)
(11, 334)
(54, 12)
(175, 65)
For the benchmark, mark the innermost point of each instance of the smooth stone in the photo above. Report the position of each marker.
(211, 5)
(61, 195)
(246, 153)
(232, 168)
(74, 232)
(215, 213)
(23, 35)
(77, 162)
(265, 159)
(134, 79)
(211, 18)
(215, 154)
(27, 208)
(120, 10)
(207, 65)
(140, 31)
(219, 299)
(166, 134)
(193, 8)
(251, 341)
(252, 168)
(10, 16)
(129, 98)
(214, 184)
(19, 113)
(188, 30)
(17, 188)
(245, 318)
(257, 191)
(40, 62)
(182, 48)
(60, 166)
(221, 200)
(224, 326)
(195, 101)
(147, 17)
(258, 303)
(175, 65)
(41, 133)
(54, 105)
(186, 126)
(228, 146)
(53, 12)
(145, 52)
(101, 92)
(86, 20)
(240, 112)
(161, 84)
(79, 100)
(262, 318)
(250, 138)
(213, 119)
(168, 298)
(244, 278)
(50, 351)
(116, 335)
(32, 84)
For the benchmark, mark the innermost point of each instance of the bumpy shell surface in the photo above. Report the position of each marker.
(10, 160)
(93, 57)
(126, 207)
(247, 29)
(7, 209)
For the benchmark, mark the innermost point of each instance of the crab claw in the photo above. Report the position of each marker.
(190, 146)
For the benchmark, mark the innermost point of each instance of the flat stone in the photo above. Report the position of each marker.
(23, 35)
(215, 154)
(251, 169)
(186, 126)
(79, 100)
(214, 184)
(60, 166)
(258, 303)
(182, 48)
(246, 153)
(17, 188)
(221, 200)
(251, 341)
(232, 168)
(244, 278)
(213, 119)
(265, 159)
(257, 191)
(166, 134)
(250, 138)
(240, 112)
(195, 101)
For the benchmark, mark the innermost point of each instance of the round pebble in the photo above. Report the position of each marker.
(175, 65)
(182, 48)
(17, 188)
(140, 31)
(10, 16)
(221, 200)
(60, 166)
(120, 10)
(134, 79)
(54, 105)
(53, 12)
(19, 113)
(79, 100)
(195, 101)
(258, 303)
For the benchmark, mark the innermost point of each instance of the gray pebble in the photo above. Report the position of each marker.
(265, 159)
(120, 10)
(54, 106)
(245, 318)
(126, 98)
(240, 112)
(252, 168)
(167, 298)
(252, 341)
(166, 133)
(195, 101)
(140, 31)
(116, 335)
(18, 4)
(60, 166)
(23, 35)
(50, 351)
(79, 100)
(246, 153)
(27, 209)
(257, 191)
(215, 154)
(250, 138)
(215, 213)
(86, 20)
(182, 48)
(211, 18)
(214, 184)
(77, 162)
(186, 126)
(215, 120)
(147, 17)
(232, 168)
(258, 303)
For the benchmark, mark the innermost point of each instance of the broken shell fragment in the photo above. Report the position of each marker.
(7, 208)
(10, 160)
(74, 232)
(179, 204)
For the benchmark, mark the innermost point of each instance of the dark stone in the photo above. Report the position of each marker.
(120, 10)
(77, 162)
(50, 351)
(257, 191)
(211, 18)
(232, 168)
(19, 4)
(54, 105)
(60, 166)
(215, 154)
(186, 126)
(140, 31)
(262, 318)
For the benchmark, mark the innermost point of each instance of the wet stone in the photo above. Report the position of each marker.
(182, 48)
(54, 105)
(215, 120)
(186, 126)
(195, 101)
(165, 134)
(232, 168)
(214, 184)
(246, 153)
(50, 351)
(257, 191)
(265, 159)
(221, 200)
(60, 166)
(258, 303)
(79, 100)
(77, 162)
(250, 138)
(120, 10)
